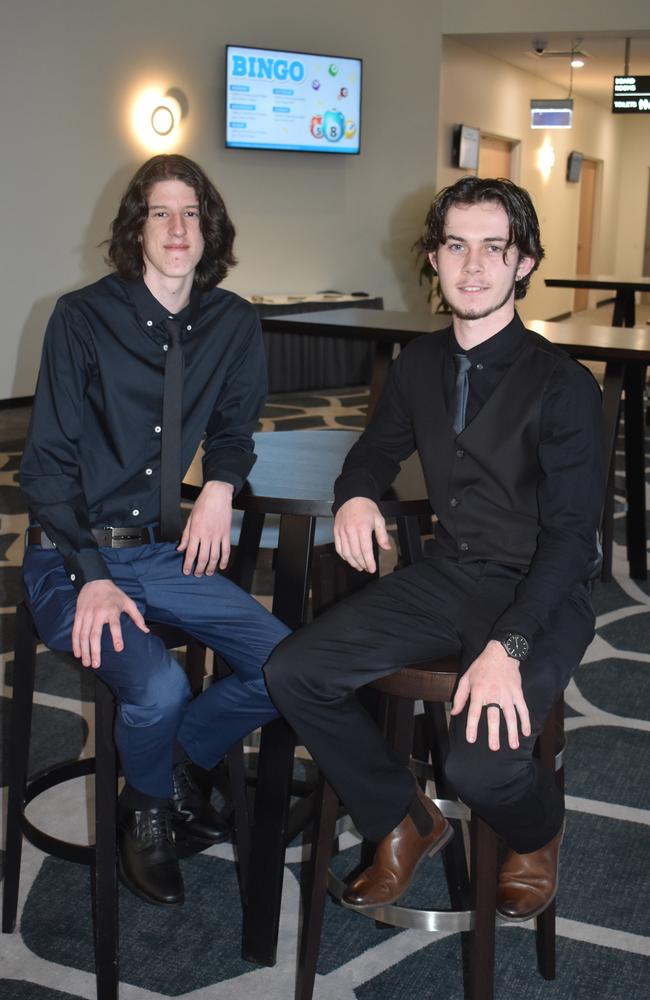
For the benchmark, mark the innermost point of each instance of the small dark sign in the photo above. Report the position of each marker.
(631, 95)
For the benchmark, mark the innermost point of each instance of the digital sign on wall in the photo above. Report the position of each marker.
(631, 95)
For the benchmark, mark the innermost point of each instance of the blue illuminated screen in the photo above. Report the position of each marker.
(292, 101)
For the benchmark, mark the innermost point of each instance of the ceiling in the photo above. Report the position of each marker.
(605, 57)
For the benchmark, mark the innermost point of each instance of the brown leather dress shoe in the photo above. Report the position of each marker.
(528, 882)
(397, 858)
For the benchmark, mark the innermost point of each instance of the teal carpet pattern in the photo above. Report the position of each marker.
(193, 952)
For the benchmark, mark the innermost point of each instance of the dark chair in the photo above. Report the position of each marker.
(102, 856)
(472, 891)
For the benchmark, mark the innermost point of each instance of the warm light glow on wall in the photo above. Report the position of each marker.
(156, 120)
(545, 158)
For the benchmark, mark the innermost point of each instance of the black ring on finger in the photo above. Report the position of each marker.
(492, 704)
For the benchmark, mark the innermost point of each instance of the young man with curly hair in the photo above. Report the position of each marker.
(137, 370)
(508, 429)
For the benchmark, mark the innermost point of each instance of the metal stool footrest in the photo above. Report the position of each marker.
(83, 854)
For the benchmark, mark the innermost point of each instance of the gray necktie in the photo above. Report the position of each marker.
(463, 365)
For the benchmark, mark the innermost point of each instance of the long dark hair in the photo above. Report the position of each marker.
(517, 204)
(125, 249)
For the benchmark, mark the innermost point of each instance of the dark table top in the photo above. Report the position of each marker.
(295, 472)
(593, 343)
(613, 281)
(374, 324)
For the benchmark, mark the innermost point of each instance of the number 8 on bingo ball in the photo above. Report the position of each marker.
(333, 125)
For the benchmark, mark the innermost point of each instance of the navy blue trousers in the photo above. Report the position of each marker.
(431, 609)
(155, 706)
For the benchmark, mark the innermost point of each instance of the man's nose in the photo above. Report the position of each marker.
(177, 223)
(474, 260)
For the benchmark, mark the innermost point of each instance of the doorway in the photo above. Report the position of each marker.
(585, 229)
(494, 157)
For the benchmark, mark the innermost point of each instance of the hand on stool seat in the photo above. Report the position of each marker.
(398, 856)
(192, 813)
(528, 882)
(147, 859)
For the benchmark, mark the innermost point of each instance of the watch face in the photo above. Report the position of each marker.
(516, 646)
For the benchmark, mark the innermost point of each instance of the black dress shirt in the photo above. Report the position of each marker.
(92, 457)
(569, 457)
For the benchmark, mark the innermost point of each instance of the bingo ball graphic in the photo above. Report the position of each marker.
(315, 84)
(350, 128)
(333, 126)
(333, 69)
(316, 127)
(343, 92)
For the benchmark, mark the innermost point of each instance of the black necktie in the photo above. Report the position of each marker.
(463, 365)
(172, 419)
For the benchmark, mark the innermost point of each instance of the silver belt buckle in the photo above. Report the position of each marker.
(126, 538)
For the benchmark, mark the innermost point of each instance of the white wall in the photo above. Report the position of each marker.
(479, 90)
(69, 70)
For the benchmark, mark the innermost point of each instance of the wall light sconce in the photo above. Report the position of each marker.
(545, 159)
(156, 118)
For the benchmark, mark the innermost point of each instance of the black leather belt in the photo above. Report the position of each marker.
(110, 538)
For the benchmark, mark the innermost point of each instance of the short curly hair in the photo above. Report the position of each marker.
(125, 248)
(517, 204)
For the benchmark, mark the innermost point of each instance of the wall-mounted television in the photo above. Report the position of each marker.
(573, 166)
(295, 101)
(465, 147)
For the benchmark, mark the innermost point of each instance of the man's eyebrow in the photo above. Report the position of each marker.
(192, 205)
(486, 239)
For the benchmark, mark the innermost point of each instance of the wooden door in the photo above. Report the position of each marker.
(585, 229)
(494, 157)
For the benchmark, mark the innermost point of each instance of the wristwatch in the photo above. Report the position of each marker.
(515, 645)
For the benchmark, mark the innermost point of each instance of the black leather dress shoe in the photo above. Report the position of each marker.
(192, 813)
(148, 864)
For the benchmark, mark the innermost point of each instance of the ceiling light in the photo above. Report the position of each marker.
(577, 63)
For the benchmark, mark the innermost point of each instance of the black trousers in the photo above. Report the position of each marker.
(434, 608)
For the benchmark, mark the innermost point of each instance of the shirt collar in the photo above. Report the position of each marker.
(502, 346)
(151, 312)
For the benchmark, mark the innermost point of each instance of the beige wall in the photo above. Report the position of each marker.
(495, 96)
(69, 70)
(634, 179)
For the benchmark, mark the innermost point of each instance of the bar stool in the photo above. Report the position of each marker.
(472, 891)
(102, 856)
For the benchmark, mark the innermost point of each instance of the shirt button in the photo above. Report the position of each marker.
(479, 367)
(157, 428)
(165, 347)
(188, 327)
(464, 547)
(135, 512)
(72, 576)
(460, 453)
(454, 501)
(149, 322)
(148, 472)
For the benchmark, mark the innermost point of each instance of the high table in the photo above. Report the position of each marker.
(625, 352)
(293, 477)
(383, 327)
(624, 313)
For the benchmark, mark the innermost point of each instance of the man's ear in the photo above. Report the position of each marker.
(433, 260)
(524, 267)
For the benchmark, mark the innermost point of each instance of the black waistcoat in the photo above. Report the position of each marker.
(483, 483)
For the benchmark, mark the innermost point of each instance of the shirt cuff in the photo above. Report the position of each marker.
(354, 484)
(85, 567)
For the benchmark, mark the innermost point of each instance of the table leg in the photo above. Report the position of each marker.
(635, 470)
(275, 761)
(624, 313)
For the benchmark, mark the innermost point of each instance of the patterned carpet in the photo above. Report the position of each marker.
(193, 951)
